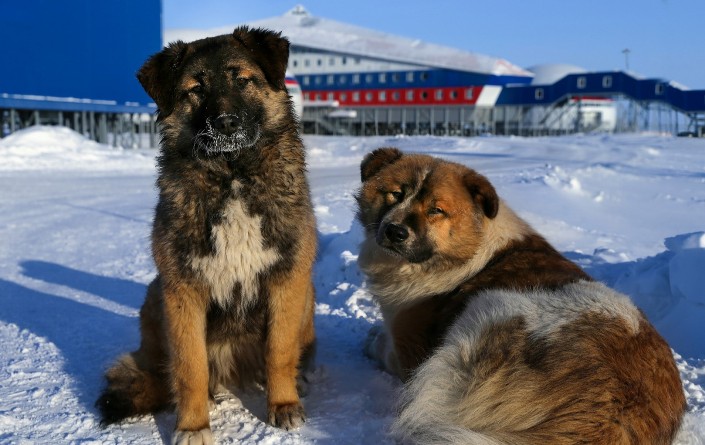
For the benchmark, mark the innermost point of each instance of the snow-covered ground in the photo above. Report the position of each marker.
(75, 258)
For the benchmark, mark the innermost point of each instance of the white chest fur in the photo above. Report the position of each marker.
(239, 257)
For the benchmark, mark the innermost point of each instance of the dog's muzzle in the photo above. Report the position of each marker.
(227, 133)
(397, 238)
(396, 233)
(226, 124)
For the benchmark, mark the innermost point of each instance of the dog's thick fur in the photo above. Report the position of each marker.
(233, 239)
(501, 340)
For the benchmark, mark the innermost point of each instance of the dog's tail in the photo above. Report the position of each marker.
(131, 390)
(435, 408)
(428, 410)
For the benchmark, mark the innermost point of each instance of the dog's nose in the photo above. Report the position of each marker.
(396, 233)
(225, 124)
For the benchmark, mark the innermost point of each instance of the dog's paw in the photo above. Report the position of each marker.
(201, 437)
(287, 416)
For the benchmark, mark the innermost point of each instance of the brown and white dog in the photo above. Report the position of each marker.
(500, 339)
(234, 238)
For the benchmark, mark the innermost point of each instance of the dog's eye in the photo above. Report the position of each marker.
(435, 211)
(198, 90)
(394, 196)
(243, 81)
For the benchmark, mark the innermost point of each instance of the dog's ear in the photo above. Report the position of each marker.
(270, 51)
(482, 192)
(374, 161)
(159, 73)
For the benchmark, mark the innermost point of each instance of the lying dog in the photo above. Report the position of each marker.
(501, 340)
(234, 238)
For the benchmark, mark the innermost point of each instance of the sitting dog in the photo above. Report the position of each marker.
(234, 238)
(499, 338)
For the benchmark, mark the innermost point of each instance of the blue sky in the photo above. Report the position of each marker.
(666, 38)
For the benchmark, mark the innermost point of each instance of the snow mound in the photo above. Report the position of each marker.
(686, 241)
(45, 139)
(558, 179)
(687, 266)
(60, 148)
(668, 287)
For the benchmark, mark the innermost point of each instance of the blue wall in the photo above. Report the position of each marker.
(87, 49)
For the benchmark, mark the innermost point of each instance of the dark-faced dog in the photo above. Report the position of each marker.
(233, 238)
(501, 340)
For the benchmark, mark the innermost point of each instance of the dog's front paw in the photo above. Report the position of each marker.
(201, 437)
(287, 416)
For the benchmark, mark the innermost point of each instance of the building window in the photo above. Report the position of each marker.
(395, 96)
(331, 61)
(368, 78)
(582, 82)
(660, 89)
(410, 95)
(469, 94)
(453, 94)
(356, 79)
(368, 97)
(318, 80)
(607, 82)
(331, 79)
(382, 96)
(382, 77)
(344, 60)
(318, 96)
(306, 80)
(307, 96)
(330, 96)
(395, 77)
(357, 60)
(423, 76)
(424, 95)
(319, 62)
(410, 76)
(356, 96)
(343, 97)
(538, 93)
(295, 63)
(307, 62)
(342, 79)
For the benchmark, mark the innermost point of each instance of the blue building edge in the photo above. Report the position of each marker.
(71, 104)
(607, 84)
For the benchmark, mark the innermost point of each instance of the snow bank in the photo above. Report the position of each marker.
(687, 267)
(668, 287)
(60, 148)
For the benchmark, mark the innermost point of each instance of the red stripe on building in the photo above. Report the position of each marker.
(397, 96)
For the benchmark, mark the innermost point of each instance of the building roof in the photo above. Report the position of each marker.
(305, 30)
